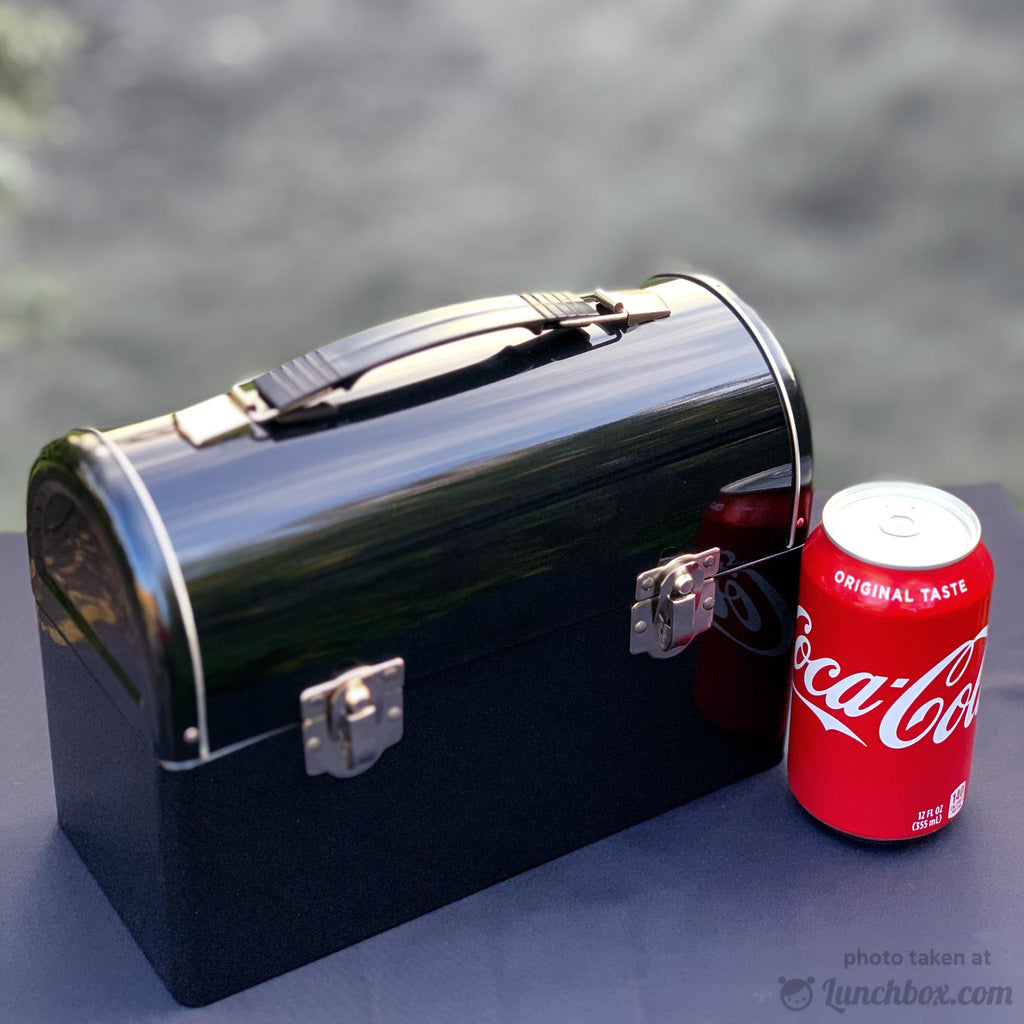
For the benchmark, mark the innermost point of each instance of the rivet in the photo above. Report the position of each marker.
(640, 626)
(390, 673)
(685, 585)
(646, 583)
(313, 743)
(191, 734)
(709, 561)
(709, 603)
(394, 713)
(357, 693)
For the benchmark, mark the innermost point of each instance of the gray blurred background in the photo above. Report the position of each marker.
(191, 192)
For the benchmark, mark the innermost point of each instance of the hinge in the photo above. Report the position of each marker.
(611, 310)
(240, 411)
(349, 721)
(674, 602)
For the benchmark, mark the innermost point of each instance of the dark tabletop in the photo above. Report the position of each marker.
(694, 916)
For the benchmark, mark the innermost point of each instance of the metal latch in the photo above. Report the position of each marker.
(349, 721)
(674, 602)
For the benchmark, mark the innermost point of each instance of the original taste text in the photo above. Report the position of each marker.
(901, 595)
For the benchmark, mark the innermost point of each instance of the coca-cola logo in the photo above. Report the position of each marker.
(941, 699)
(751, 612)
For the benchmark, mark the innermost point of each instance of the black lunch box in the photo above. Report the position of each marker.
(417, 612)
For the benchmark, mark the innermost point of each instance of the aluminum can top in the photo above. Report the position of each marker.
(901, 525)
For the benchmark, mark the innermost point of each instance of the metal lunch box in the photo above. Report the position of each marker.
(416, 612)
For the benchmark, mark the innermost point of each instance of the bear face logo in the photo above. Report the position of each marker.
(796, 993)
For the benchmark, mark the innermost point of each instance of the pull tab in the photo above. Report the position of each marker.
(349, 721)
(674, 602)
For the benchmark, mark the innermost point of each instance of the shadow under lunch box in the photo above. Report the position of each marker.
(413, 613)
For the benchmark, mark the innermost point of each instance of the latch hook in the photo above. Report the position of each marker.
(349, 721)
(674, 602)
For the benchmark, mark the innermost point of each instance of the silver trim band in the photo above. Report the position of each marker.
(231, 748)
(178, 585)
(732, 301)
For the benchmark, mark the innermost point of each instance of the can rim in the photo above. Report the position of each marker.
(959, 515)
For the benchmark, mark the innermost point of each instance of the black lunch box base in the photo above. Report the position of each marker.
(245, 867)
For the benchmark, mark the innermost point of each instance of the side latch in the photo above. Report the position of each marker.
(674, 602)
(349, 721)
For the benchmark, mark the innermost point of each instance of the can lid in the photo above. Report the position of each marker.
(901, 525)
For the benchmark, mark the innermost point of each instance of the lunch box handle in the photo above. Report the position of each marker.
(341, 363)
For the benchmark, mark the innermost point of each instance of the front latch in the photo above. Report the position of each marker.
(674, 602)
(349, 721)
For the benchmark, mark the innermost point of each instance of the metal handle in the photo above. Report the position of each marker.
(342, 363)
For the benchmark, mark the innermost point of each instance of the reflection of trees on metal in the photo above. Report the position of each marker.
(33, 47)
(465, 515)
(81, 570)
(547, 510)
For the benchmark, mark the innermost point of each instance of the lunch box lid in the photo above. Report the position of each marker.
(493, 494)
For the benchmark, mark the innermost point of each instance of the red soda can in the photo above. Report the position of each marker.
(890, 637)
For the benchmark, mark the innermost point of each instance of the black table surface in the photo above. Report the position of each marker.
(701, 914)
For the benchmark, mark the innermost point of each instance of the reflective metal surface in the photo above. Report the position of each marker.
(901, 525)
(471, 507)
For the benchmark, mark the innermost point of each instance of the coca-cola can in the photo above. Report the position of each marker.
(891, 630)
